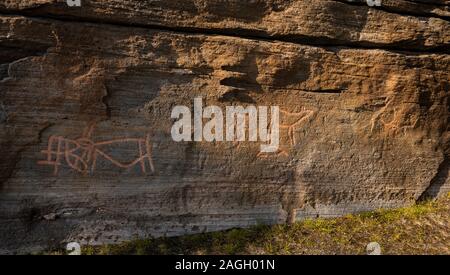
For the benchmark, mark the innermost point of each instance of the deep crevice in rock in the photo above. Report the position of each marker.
(3, 74)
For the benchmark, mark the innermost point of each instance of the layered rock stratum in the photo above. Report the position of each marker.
(364, 94)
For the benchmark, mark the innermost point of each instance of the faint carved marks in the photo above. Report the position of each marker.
(290, 123)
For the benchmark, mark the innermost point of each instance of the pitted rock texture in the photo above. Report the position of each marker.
(373, 83)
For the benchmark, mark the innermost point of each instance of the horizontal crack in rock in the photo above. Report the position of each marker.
(323, 42)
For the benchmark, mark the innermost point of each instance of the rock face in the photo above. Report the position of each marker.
(364, 94)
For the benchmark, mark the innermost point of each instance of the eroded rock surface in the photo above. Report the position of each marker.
(374, 83)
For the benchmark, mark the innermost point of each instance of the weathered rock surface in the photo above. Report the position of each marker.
(313, 21)
(374, 81)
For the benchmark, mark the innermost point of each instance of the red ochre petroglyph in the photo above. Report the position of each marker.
(82, 154)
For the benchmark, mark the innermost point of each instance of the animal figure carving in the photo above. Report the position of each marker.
(82, 154)
(290, 122)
